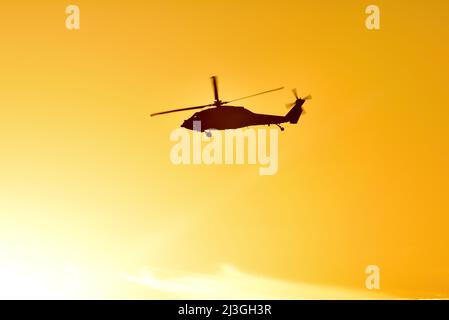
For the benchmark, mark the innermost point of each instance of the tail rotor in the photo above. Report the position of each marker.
(298, 98)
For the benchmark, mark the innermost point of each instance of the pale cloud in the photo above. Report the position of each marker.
(231, 283)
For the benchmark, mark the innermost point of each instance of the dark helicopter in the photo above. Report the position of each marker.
(222, 116)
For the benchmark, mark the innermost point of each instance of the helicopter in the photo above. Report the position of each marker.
(221, 116)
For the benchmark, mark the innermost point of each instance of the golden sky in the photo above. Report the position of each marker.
(92, 207)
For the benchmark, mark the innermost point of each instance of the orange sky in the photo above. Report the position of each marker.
(89, 197)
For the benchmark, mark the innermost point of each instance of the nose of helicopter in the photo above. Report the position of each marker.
(187, 124)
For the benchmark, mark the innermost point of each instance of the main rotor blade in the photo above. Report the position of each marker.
(215, 86)
(253, 95)
(182, 109)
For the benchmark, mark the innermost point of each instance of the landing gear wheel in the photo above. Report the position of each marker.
(282, 129)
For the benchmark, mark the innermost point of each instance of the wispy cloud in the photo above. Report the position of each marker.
(231, 283)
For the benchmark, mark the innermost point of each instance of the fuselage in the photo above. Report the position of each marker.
(229, 117)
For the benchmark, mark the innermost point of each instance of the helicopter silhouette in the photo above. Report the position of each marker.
(221, 116)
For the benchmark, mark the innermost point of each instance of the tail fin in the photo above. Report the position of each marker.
(293, 115)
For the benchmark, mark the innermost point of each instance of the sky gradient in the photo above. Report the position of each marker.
(89, 199)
